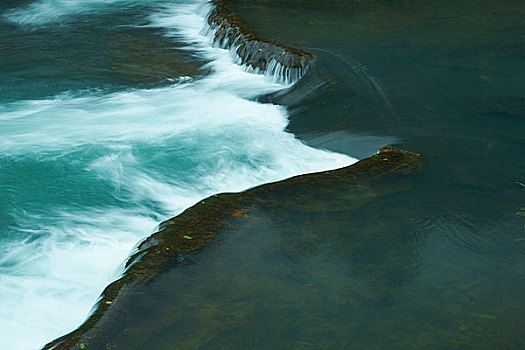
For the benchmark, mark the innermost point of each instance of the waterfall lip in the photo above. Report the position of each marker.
(283, 63)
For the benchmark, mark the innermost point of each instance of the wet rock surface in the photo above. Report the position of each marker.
(261, 55)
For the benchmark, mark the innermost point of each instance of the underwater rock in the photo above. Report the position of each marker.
(197, 226)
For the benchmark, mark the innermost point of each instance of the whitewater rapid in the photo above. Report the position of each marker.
(89, 175)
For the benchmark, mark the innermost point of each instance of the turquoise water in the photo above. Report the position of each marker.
(117, 115)
(114, 117)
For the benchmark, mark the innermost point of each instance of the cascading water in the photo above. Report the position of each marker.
(85, 177)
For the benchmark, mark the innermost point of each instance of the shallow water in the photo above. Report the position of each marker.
(332, 268)
(446, 80)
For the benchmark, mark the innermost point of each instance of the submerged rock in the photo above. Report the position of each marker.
(180, 236)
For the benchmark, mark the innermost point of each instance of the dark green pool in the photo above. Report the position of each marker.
(446, 79)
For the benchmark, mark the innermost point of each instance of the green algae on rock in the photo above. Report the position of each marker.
(170, 247)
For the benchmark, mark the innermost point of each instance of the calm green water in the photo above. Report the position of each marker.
(364, 268)
(447, 80)
(432, 260)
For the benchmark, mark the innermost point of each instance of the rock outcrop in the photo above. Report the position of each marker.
(284, 63)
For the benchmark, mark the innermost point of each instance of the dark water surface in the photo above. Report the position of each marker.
(446, 79)
(331, 267)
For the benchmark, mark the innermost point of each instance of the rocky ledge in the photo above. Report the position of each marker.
(185, 234)
(283, 62)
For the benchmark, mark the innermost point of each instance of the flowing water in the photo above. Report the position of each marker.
(115, 116)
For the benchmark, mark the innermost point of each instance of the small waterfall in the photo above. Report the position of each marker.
(284, 64)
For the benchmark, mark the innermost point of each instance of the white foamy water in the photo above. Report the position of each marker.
(45, 12)
(91, 176)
